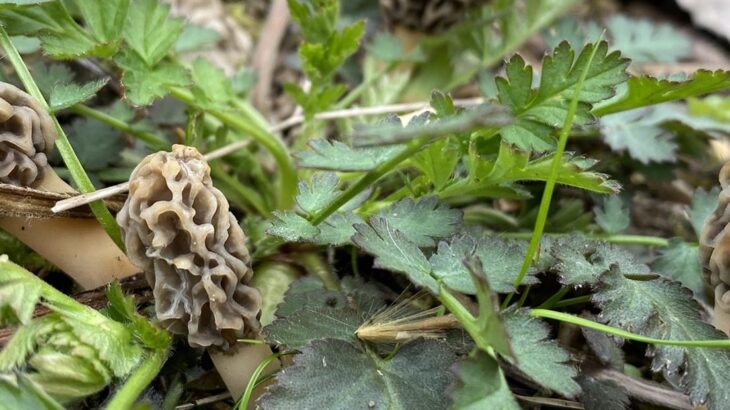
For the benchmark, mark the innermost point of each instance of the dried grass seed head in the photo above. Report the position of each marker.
(27, 133)
(178, 228)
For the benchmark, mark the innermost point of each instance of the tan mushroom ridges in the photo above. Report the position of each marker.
(715, 253)
(27, 133)
(178, 228)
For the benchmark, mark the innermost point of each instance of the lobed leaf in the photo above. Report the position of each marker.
(613, 217)
(482, 385)
(337, 156)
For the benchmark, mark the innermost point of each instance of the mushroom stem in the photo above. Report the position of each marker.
(78, 246)
(237, 366)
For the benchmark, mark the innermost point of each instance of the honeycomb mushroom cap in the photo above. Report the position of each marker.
(27, 133)
(715, 245)
(178, 229)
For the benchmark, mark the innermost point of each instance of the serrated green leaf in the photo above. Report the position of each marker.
(96, 144)
(337, 156)
(640, 133)
(644, 91)
(292, 227)
(336, 375)
(142, 84)
(150, 31)
(422, 221)
(18, 299)
(537, 356)
(613, 217)
(665, 310)
(194, 38)
(25, 44)
(680, 262)
(319, 193)
(581, 261)
(66, 95)
(337, 229)
(105, 19)
(501, 260)
(602, 394)
(211, 86)
(300, 328)
(48, 76)
(67, 377)
(703, 205)
(394, 251)
(540, 111)
(644, 41)
(309, 293)
(482, 385)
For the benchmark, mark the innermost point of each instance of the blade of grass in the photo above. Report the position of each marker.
(75, 168)
(550, 184)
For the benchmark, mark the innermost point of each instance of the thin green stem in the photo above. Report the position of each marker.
(152, 140)
(552, 300)
(356, 92)
(368, 179)
(554, 168)
(314, 263)
(248, 195)
(243, 404)
(287, 183)
(467, 320)
(138, 381)
(573, 301)
(72, 162)
(579, 321)
(619, 239)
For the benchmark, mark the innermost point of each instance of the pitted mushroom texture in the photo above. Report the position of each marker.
(715, 245)
(178, 229)
(27, 133)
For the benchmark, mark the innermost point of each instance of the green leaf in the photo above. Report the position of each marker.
(23, 2)
(680, 262)
(150, 31)
(501, 260)
(97, 145)
(25, 44)
(66, 95)
(602, 394)
(389, 48)
(482, 385)
(580, 261)
(338, 374)
(643, 41)
(309, 293)
(540, 111)
(639, 132)
(703, 205)
(105, 19)
(319, 193)
(211, 86)
(613, 217)
(423, 221)
(292, 227)
(539, 357)
(297, 330)
(317, 19)
(195, 38)
(644, 90)
(48, 76)
(394, 251)
(123, 307)
(18, 301)
(18, 392)
(665, 310)
(142, 84)
(337, 156)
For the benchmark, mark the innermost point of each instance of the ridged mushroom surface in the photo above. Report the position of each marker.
(178, 228)
(715, 252)
(27, 133)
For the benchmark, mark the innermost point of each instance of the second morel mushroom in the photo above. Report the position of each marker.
(715, 252)
(178, 229)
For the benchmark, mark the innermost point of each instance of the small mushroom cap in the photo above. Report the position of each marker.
(178, 228)
(715, 249)
(27, 133)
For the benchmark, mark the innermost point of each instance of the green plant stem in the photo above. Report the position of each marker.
(72, 162)
(555, 298)
(467, 320)
(138, 381)
(554, 168)
(287, 179)
(356, 92)
(579, 321)
(152, 140)
(619, 239)
(246, 397)
(250, 196)
(368, 179)
(314, 263)
(573, 301)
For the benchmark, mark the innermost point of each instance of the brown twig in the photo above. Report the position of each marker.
(645, 391)
(267, 53)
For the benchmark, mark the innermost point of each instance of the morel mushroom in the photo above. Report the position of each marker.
(715, 253)
(79, 246)
(27, 133)
(178, 229)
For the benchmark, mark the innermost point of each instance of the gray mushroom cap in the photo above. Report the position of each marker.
(177, 228)
(27, 133)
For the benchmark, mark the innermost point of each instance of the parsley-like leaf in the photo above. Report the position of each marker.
(482, 385)
(613, 217)
(422, 221)
(338, 156)
(66, 95)
(143, 84)
(537, 356)
(665, 310)
(679, 261)
(150, 31)
(644, 41)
